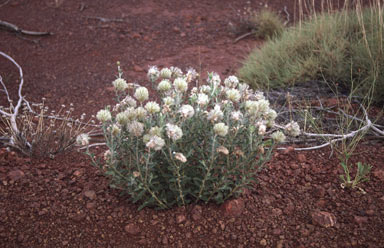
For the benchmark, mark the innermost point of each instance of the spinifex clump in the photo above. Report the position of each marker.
(206, 144)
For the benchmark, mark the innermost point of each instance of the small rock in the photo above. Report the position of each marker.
(370, 212)
(164, 241)
(142, 242)
(196, 213)
(289, 149)
(91, 205)
(294, 166)
(360, 220)
(77, 173)
(137, 68)
(180, 219)
(233, 207)
(90, 194)
(132, 229)
(277, 211)
(280, 244)
(379, 174)
(16, 175)
(301, 157)
(263, 242)
(277, 231)
(323, 218)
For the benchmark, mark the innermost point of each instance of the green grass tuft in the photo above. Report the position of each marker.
(345, 47)
(267, 24)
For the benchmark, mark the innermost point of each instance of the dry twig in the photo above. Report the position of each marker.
(14, 28)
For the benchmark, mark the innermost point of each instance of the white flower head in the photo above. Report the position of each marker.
(107, 155)
(262, 129)
(231, 82)
(152, 107)
(136, 128)
(164, 85)
(179, 156)
(176, 72)
(292, 129)
(173, 132)
(82, 139)
(236, 116)
(233, 95)
(214, 79)
(205, 89)
(165, 73)
(202, 99)
(194, 90)
(120, 84)
(243, 87)
(168, 100)
(104, 115)
(263, 105)
(180, 85)
(155, 131)
(257, 108)
(278, 136)
(259, 95)
(187, 111)
(140, 113)
(123, 118)
(141, 94)
(155, 143)
(128, 100)
(191, 75)
(220, 129)
(215, 114)
(115, 129)
(270, 115)
(153, 73)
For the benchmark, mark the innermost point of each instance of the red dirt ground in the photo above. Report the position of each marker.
(66, 202)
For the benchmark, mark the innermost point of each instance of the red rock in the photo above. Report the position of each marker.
(196, 213)
(16, 175)
(360, 220)
(77, 173)
(323, 219)
(301, 157)
(91, 205)
(136, 35)
(90, 194)
(233, 207)
(132, 229)
(137, 68)
(180, 219)
(289, 149)
(379, 174)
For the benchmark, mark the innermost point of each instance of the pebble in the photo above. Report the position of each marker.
(323, 218)
(196, 213)
(132, 229)
(91, 194)
(16, 175)
(180, 219)
(233, 207)
(263, 242)
(360, 220)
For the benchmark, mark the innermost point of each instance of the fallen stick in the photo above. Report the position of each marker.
(14, 28)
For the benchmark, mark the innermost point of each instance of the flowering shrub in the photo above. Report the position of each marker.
(206, 144)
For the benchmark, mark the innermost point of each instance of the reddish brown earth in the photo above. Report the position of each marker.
(66, 202)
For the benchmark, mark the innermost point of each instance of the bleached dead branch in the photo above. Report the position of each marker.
(367, 125)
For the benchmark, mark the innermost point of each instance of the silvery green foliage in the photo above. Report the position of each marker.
(204, 144)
